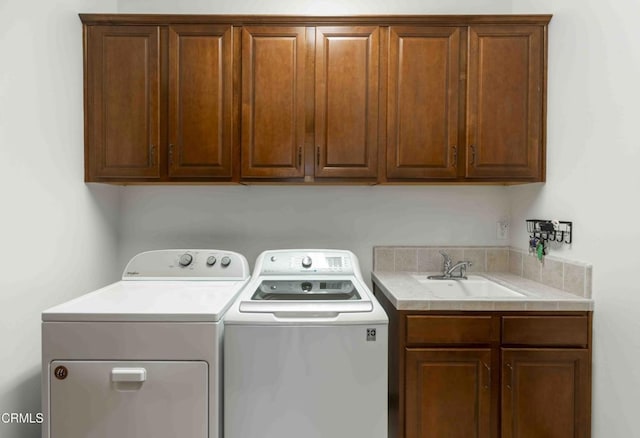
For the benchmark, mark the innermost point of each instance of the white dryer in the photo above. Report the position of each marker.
(142, 356)
(306, 351)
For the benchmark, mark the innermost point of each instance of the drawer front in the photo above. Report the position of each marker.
(546, 331)
(449, 330)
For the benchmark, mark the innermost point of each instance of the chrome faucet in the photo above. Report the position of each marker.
(447, 262)
(448, 269)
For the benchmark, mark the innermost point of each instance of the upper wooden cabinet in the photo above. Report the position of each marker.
(122, 111)
(136, 73)
(423, 102)
(277, 69)
(377, 99)
(346, 98)
(502, 125)
(273, 101)
(200, 101)
(505, 102)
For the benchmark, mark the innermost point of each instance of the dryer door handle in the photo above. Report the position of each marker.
(128, 375)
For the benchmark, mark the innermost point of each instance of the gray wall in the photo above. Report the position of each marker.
(251, 219)
(59, 236)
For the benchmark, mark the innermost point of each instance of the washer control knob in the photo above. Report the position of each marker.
(226, 261)
(185, 260)
(306, 262)
(211, 260)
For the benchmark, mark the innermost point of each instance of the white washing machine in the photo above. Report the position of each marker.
(306, 351)
(142, 356)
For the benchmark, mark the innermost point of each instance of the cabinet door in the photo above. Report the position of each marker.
(545, 393)
(200, 113)
(422, 110)
(273, 102)
(448, 393)
(346, 128)
(505, 102)
(122, 102)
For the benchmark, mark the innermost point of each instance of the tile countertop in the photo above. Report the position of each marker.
(406, 293)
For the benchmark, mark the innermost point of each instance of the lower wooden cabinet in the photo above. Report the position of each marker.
(545, 393)
(489, 374)
(448, 392)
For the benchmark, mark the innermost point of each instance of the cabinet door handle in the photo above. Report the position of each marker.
(318, 156)
(299, 156)
(487, 380)
(152, 155)
(454, 150)
(509, 379)
(473, 154)
(170, 153)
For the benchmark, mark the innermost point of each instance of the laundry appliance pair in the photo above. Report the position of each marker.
(188, 345)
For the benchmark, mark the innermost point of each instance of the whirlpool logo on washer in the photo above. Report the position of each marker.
(371, 335)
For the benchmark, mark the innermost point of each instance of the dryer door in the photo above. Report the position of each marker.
(125, 399)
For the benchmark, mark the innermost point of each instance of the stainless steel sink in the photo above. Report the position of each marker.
(473, 288)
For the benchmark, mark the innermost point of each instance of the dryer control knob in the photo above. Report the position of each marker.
(211, 260)
(226, 261)
(306, 262)
(185, 259)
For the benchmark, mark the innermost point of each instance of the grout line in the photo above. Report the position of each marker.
(394, 260)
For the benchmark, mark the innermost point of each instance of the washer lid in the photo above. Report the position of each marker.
(329, 296)
(151, 301)
(305, 290)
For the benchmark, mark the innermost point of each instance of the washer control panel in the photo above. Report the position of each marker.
(283, 262)
(196, 264)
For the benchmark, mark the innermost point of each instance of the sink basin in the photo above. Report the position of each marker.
(474, 288)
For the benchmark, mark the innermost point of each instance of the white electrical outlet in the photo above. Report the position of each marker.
(502, 230)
